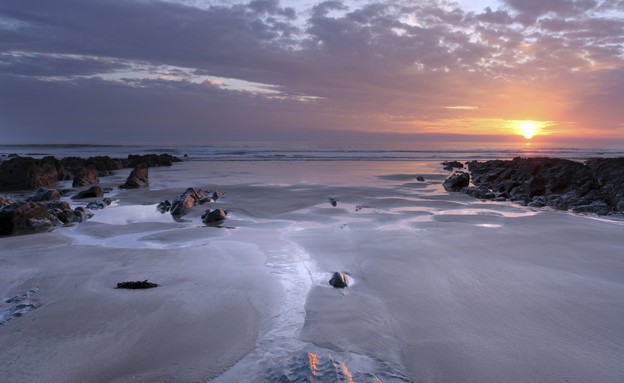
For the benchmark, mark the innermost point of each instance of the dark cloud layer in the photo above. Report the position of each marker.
(111, 70)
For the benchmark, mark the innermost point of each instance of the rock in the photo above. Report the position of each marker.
(164, 206)
(26, 173)
(187, 200)
(420, 179)
(99, 204)
(24, 218)
(213, 216)
(216, 195)
(597, 207)
(558, 183)
(42, 195)
(93, 192)
(136, 285)
(86, 176)
(152, 160)
(333, 202)
(456, 182)
(339, 280)
(450, 165)
(81, 214)
(139, 177)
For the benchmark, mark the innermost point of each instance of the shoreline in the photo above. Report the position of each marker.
(447, 287)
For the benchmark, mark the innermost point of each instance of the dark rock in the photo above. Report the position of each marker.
(152, 160)
(450, 165)
(99, 204)
(81, 214)
(86, 176)
(187, 200)
(456, 182)
(333, 202)
(26, 173)
(136, 285)
(42, 195)
(139, 177)
(164, 206)
(216, 195)
(597, 207)
(214, 216)
(339, 280)
(24, 218)
(595, 187)
(420, 179)
(93, 192)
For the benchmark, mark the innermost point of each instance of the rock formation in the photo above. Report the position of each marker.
(92, 192)
(594, 187)
(457, 182)
(214, 216)
(86, 176)
(339, 280)
(139, 177)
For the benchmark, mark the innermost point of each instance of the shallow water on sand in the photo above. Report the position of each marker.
(444, 287)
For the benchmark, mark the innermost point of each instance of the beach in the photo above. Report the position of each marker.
(444, 287)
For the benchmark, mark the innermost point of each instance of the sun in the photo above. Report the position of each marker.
(529, 128)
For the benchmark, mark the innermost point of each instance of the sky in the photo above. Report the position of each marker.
(198, 72)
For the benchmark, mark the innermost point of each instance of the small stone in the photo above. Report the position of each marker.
(339, 280)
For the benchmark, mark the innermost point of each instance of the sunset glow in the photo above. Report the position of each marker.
(341, 70)
(529, 128)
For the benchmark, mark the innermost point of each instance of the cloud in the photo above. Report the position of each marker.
(260, 67)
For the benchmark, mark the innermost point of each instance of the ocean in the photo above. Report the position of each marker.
(391, 151)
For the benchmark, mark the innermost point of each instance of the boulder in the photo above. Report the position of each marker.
(420, 179)
(99, 204)
(339, 280)
(333, 202)
(42, 195)
(86, 176)
(187, 200)
(139, 177)
(457, 182)
(92, 192)
(81, 214)
(23, 217)
(26, 173)
(214, 216)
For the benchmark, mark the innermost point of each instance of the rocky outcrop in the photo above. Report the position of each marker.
(42, 195)
(92, 192)
(450, 165)
(594, 187)
(27, 173)
(138, 178)
(152, 160)
(23, 217)
(339, 280)
(187, 200)
(24, 173)
(86, 176)
(457, 182)
(214, 216)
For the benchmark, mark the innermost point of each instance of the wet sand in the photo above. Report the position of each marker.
(445, 288)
